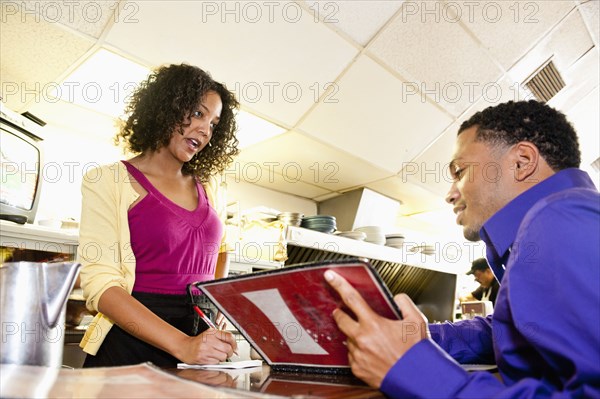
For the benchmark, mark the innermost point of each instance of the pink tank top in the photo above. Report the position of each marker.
(172, 246)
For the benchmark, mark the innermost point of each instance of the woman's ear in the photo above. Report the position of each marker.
(526, 159)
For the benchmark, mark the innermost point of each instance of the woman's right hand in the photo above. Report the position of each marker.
(210, 347)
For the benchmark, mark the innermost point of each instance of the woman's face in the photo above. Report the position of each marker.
(197, 128)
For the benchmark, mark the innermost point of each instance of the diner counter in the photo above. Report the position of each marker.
(148, 381)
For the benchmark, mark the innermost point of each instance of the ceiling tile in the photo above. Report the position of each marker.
(508, 29)
(590, 11)
(450, 69)
(274, 56)
(246, 197)
(261, 174)
(70, 117)
(89, 17)
(581, 78)
(414, 198)
(24, 42)
(360, 20)
(565, 44)
(313, 162)
(367, 116)
(586, 120)
(430, 170)
(326, 197)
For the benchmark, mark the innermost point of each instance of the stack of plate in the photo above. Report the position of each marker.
(290, 218)
(394, 240)
(374, 234)
(355, 235)
(324, 224)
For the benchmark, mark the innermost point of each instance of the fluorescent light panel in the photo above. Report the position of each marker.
(253, 130)
(103, 82)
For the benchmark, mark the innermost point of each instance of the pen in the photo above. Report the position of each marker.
(205, 318)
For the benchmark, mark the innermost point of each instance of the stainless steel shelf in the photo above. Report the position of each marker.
(301, 237)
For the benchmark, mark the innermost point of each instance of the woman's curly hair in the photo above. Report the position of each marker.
(160, 106)
(509, 123)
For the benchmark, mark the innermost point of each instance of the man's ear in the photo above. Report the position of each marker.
(526, 160)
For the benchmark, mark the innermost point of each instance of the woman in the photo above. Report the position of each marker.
(148, 226)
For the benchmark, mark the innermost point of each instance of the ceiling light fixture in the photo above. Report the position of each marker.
(105, 80)
(102, 83)
(253, 130)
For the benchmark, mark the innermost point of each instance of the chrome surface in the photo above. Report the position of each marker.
(33, 298)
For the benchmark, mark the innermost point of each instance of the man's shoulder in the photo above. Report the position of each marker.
(569, 216)
(577, 200)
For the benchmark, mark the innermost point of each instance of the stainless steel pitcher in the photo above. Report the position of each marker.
(33, 298)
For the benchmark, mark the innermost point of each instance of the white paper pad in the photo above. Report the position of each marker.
(242, 364)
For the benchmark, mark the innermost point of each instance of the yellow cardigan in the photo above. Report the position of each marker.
(104, 240)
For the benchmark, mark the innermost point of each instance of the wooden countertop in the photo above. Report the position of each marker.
(284, 384)
(148, 381)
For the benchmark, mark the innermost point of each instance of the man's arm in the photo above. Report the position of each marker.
(467, 341)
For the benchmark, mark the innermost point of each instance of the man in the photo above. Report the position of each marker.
(517, 187)
(488, 285)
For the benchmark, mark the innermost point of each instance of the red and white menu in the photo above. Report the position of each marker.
(286, 314)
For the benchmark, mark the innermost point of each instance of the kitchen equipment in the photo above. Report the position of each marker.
(354, 235)
(291, 218)
(69, 224)
(374, 234)
(476, 308)
(323, 223)
(32, 311)
(394, 240)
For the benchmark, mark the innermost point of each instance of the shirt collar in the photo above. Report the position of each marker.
(500, 231)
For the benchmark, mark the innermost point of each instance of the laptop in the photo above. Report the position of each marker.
(285, 314)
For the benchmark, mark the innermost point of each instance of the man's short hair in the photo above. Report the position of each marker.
(478, 264)
(512, 122)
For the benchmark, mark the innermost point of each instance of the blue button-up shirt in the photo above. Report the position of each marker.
(544, 336)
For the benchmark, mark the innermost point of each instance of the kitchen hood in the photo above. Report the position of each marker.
(361, 207)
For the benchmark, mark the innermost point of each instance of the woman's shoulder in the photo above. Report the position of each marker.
(216, 191)
(114, 172)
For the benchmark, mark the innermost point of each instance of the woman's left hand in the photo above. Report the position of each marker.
(220, 321)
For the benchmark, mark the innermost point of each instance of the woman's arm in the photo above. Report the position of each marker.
(212, 346)
(222, 268)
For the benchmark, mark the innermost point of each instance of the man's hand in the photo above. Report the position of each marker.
(375, 343)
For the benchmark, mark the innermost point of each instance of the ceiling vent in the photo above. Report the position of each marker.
(545, 82)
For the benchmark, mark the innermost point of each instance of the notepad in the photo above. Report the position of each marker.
(242, 364)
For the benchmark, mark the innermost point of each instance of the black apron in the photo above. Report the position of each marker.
(121, 348)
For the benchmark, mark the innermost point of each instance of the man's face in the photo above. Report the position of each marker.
(484, 277)
(482, 182)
